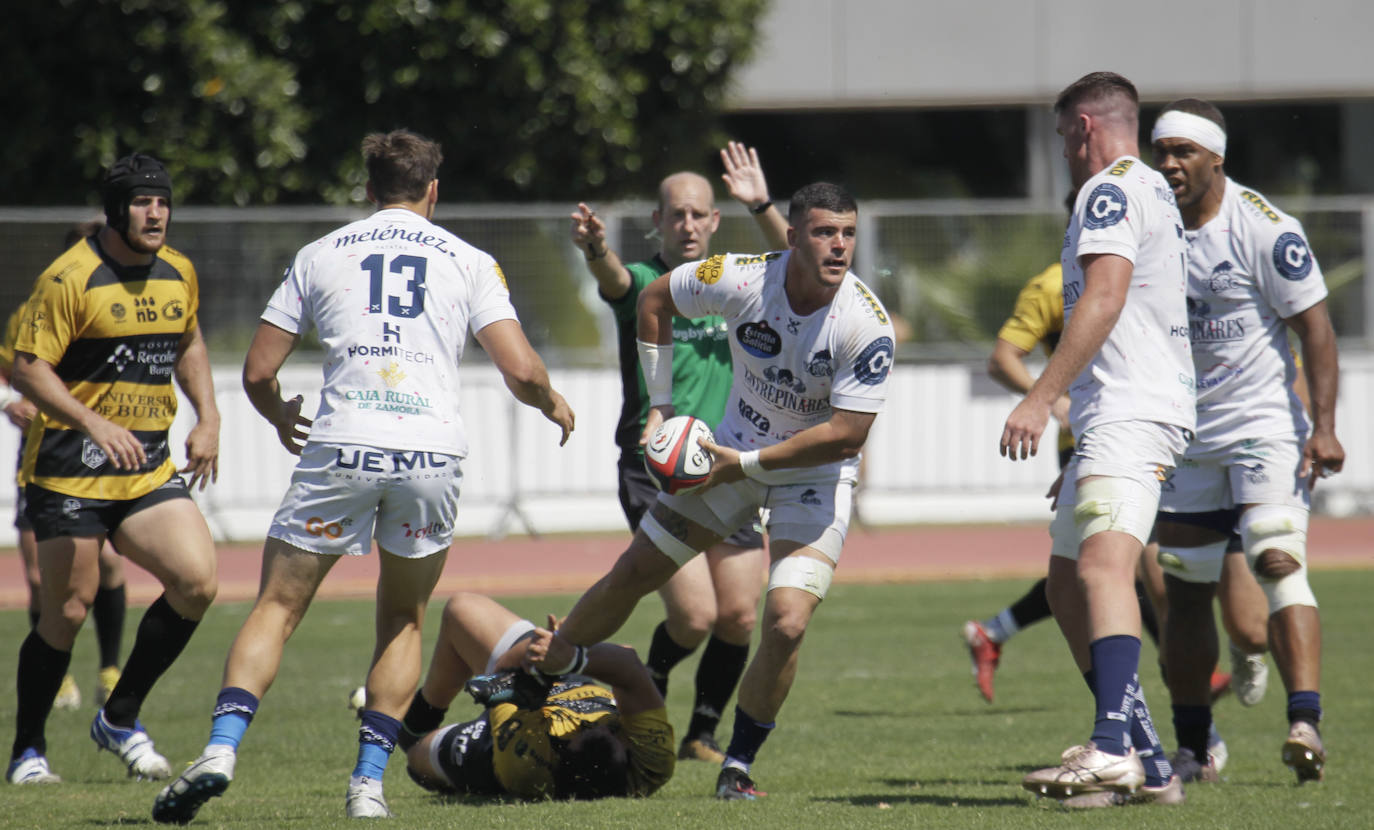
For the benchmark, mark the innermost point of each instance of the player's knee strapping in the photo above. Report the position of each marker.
(670, 546)
(1195, 563)
(1113, 503)
(1266, 527)
(803, 573)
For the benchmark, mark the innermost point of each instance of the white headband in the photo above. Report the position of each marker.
(1203, 132)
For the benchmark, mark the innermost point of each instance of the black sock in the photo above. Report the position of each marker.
(108, 610)
(162, 634)
(718, 674)
(1147, 612)
(421, 719)
(664, 653)
(1031, 608)
(41, 669)
(1192, 725)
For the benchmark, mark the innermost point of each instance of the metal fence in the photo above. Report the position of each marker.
(947, 270)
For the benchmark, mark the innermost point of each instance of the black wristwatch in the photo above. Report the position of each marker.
(761, 209)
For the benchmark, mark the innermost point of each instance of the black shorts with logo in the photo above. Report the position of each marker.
(54, 515)
(638, 494)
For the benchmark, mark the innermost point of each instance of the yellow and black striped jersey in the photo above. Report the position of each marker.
(113, 334)
(525, 743)
(1038, 318)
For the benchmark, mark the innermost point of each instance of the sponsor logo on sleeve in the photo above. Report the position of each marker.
(500, 275)
(1260, 205)
(1105, 207)
(709, 271)
(758, 339)
(873, 363)
(1292, 257)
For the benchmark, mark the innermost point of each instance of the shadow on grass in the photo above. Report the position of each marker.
(927, 714)
(921, 799)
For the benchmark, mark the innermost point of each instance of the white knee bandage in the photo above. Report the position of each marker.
(668, 544)
(1199, 563)
(1278, 527)
(803, 573)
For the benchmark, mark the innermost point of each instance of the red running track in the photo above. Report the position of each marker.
(568, 564)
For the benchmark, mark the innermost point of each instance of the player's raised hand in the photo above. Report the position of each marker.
(1021, 434)
(743, 175)
(588, 231)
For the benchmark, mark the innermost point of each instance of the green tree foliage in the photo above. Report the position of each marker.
(259, 103)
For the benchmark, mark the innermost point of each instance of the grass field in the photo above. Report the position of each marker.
(883, 729)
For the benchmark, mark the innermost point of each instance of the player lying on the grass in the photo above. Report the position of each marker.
(581, 741)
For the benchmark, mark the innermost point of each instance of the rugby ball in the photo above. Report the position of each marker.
(674, 458)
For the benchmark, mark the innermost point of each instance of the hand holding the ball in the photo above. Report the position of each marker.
(725, 466)
(657, 415)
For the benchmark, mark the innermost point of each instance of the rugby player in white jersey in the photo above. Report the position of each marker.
(1256, 455)
(393, 298)
(811, 348)
(1124, 360)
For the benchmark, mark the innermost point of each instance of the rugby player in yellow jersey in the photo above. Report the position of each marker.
(110, 603)
(111, 323)
(581, 741)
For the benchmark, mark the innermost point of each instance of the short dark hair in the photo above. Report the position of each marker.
(400, 165)
(594, 764)
(1095, 86)
(822, 195)
(1198, 107)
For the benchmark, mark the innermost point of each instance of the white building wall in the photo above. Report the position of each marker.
(902, 53)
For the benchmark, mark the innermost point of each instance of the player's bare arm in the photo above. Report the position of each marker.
(744, 179)
(193, 375)
(589, 235)
(615, 665)
(1007, 366)
(838, 439)
(36, 379)
(269, 350)
(656, 311)
(524, 372)
(1323, 454)
(1106, 278)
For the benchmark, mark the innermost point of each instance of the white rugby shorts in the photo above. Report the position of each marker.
(1139, 454)
(814, 514)
(1245, 471)
(343, 496)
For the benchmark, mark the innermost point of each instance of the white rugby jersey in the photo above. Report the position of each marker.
(1144, 370)
(1249, 268)
(790, 370)
(393, 297)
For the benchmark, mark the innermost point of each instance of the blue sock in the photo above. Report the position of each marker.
(747, 738)
(1305, 706)
(1145, 739)
(376, 739)
(1114, 663)
(234, 710)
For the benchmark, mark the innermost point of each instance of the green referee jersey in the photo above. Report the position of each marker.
(701, 362)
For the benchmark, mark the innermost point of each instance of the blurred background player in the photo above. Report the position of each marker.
(1251, 278)
(383, 456)
(110, 603)
(717, 593)
(1124, 360)
(575, 740)
(812, 349)
(97, 461)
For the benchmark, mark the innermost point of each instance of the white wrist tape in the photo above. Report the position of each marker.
(8, 396)
(578, 663)
(656, 362)
(749, 463)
